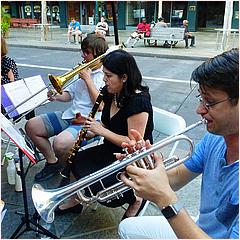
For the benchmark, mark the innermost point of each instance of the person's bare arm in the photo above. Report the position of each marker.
(65, 97)
(10, 75)
(85, 75)
(138, 121)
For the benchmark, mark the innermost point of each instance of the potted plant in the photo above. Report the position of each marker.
(5, 23)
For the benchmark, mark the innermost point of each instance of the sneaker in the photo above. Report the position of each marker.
(76, 43)
(192, 46)
(67, 42)
(48, 172)
(132, 46)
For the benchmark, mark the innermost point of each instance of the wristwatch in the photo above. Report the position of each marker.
(171, 210)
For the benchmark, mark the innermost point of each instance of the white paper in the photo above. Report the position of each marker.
(19, 91)
(16, 137)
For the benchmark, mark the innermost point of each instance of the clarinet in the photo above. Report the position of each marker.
(66, 171)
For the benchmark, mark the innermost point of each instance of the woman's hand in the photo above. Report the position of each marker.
(93, 126)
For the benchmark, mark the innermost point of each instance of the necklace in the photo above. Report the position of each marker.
(115, 100)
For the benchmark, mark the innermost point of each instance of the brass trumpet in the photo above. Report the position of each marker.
(50, 199)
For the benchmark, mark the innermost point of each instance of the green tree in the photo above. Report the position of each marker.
(5, 22)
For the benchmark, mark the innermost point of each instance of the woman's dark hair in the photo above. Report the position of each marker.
(121, 62)
(97, 44)
(220, 72)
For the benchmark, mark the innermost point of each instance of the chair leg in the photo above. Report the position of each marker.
(144, 208)
(96, 206)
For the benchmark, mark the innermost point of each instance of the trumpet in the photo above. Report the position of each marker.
(50, 199)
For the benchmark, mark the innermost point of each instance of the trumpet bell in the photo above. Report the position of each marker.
(45, 206)
(57, 82)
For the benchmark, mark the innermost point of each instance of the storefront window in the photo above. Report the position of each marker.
(174, 12)
(53, 15)
(135, 11)
(27, 10)
(37, 11)
(215, 14)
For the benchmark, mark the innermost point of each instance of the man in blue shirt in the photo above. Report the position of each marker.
(74, 29)
(216, 158)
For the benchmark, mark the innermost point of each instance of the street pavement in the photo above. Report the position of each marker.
(100, 223)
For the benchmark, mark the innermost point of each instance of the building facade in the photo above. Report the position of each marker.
(201, 14)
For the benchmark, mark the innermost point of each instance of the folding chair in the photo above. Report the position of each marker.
(166, 123)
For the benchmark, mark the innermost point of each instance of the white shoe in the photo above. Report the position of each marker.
(67, 42)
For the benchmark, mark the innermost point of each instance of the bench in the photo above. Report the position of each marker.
(172, 35)
(23, 22)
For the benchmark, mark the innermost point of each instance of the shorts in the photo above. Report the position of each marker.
(55, 124)
(77, 32)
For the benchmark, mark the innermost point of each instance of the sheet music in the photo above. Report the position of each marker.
(16, 137)
(18, 91)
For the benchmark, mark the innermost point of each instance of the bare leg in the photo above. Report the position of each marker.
(62, 144)
(37, 132)
(133, 209)
(69, 35)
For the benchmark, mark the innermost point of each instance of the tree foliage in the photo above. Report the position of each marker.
(5, 22)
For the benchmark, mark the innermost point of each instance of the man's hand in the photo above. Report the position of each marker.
(150, 184)
(86, 74)
(51, 94)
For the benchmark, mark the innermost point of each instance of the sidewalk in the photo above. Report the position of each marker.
(206, 45)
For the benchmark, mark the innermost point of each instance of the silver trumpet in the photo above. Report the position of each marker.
(45, 201)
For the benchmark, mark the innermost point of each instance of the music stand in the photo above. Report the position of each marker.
(18, 139)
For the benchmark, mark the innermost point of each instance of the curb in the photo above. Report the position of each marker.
(134, 53)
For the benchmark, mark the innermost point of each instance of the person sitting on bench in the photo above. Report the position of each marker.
(188, 35)
(143, 30)
(102, 27)
(74, 29)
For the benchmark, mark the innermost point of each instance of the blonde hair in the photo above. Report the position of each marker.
(4, 49)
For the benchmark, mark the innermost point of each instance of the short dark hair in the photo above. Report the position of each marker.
(96, 43)
(220, 72)
(121, 62)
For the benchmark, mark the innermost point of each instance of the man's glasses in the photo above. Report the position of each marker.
(207, 105)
